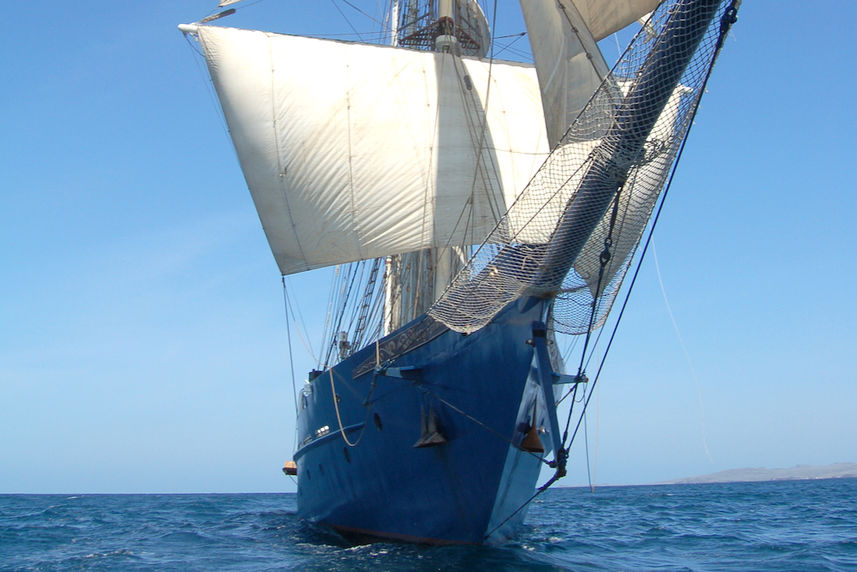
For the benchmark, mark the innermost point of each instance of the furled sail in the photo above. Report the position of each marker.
(600, 182)
(563, 36)
(534, 222)
(363, 151)
(636, 201)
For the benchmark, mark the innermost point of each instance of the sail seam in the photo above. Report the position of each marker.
(280, 169)
(354, 216)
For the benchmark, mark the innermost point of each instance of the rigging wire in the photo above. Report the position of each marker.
(206, 79)
(349, 280)
(291, 357)
(586, 442)
(485, 426)
(331, 299)
(596, 302)
(729, 18)
(597, 434)
(300, 328)
(483, 131)
(424, 258)
(509, 47)
(347, 19)
(573, 392)
(373, 19)
(686, 353)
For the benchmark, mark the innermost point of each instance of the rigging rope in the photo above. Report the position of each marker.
(347, 20)
(289, 337)
(604, 259)
(483, 133)
(729, 17)
(300, 327)
(684, 350)
(586, 443)
(339, 418)
(539, 491)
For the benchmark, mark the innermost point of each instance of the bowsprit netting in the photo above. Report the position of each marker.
(573, 231)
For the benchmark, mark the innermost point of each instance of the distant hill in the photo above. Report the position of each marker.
(798, 472)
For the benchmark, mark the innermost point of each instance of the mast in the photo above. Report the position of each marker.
(394, 23)
(415, 280)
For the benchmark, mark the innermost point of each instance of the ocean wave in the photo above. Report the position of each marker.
(786, 525)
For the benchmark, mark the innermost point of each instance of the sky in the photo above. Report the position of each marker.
(143, 343)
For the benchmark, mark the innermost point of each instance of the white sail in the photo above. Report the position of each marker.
(563, 36)
(636, 201)
(356, 151)
(605, 17)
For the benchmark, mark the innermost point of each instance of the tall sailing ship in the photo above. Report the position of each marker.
(475, 209)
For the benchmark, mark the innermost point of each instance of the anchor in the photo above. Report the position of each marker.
(431, 435)
(531, 441)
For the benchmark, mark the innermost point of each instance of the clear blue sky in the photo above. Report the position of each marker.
(142, 335)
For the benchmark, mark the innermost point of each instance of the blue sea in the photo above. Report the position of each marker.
(785, 525)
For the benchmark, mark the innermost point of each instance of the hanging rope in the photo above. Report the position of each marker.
(289, 338)
(339, 418)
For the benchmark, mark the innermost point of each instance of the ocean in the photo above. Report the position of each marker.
(783, 525)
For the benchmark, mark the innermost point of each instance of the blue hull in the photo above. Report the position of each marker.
(358, 469)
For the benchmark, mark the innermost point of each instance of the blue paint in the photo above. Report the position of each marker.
(451, 493)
